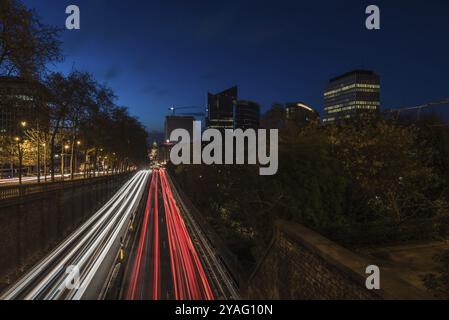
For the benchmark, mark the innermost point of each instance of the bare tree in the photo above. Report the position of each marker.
(26, 44)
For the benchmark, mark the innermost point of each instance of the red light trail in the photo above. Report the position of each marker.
(188, 277)
(136, 276)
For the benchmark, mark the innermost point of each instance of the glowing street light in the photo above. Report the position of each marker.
(23, 124)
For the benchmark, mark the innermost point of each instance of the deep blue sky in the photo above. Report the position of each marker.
(155, 54)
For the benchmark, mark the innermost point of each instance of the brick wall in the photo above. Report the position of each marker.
(300, 264)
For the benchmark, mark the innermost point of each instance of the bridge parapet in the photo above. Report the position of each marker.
(301, 264)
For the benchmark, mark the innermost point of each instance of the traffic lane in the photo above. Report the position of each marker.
(222, 281)
(148, 276)
(140, 283)
(88, 251)
(164, 264)
(189, 278)
(47, 279)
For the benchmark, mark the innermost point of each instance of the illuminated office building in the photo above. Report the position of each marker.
(246, 115)
(220, 109)
(301, 113)
(16, 104)
(354, 95)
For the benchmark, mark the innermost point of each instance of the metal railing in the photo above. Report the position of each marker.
(18, 191)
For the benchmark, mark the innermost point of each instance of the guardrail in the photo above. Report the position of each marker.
(224, 254)
(35, 218)
(18, 191)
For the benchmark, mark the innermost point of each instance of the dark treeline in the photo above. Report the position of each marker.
(72, 114)
(358, 183)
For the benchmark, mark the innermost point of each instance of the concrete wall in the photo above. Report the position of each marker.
(301, 264)
(32, 225)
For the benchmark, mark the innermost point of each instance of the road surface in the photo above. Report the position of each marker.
(171, 259)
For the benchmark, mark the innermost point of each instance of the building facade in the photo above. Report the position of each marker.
(16, 104)
(220, 109)
(178, 122)
(353, 95)
(301, 113)
(246, 115)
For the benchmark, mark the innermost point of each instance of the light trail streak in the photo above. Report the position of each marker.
(89, 248)
(156, 255)
(137, 274)
(187, 275)
(12, 181)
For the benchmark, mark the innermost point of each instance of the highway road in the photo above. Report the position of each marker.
(79, 267)
(171, 259)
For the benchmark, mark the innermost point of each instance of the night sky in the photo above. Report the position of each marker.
(155, 54)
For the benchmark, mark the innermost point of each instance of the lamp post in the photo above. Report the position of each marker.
(23, 125)
(74, 168)
(106, 164)
(64, 149)
(20, 153)
(45, 161)
(38, 142)
(102, 166)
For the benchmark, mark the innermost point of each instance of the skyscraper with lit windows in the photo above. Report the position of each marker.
(246, 115)
(220, 109)
(16, 103)
(353, 95)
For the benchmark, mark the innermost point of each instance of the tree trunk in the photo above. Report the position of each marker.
(95, 162)
(85, 163)
(38, 161)
(62, 162)
(19, 149)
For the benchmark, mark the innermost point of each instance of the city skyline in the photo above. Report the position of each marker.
(175, 60)
(304, 154)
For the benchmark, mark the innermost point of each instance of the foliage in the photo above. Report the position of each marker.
(83, 110)
(356, 175)
(26, 44)
(71, 110)
(438, 284)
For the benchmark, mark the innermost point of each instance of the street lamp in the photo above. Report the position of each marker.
(20, 151)
(23, 124)
(45, 161)
(64, 149)
(75, 165)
